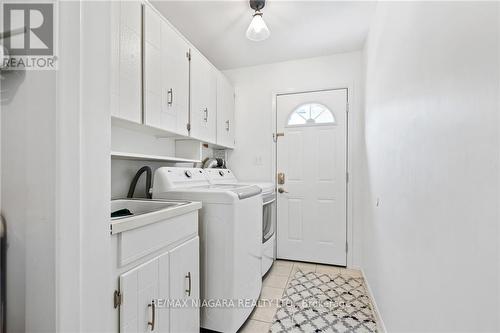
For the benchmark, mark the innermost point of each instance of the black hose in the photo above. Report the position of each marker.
(133, 184)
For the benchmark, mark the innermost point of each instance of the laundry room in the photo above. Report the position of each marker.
(261, 166)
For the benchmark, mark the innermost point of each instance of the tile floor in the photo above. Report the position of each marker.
(273, 286)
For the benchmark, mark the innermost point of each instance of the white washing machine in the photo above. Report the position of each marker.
(230, 243)
(226, 176)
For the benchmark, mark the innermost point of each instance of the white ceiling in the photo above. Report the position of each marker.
(299, 29)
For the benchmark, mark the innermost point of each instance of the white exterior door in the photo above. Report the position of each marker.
(312, 159)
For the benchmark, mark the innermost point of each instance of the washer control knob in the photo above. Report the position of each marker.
(221, 173)
(188, 173)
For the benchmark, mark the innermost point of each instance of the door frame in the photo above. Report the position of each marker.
(349, 208)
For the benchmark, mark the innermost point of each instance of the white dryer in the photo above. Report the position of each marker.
(230, 243)
(226, 176)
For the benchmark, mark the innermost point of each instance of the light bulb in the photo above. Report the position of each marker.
(257, 30)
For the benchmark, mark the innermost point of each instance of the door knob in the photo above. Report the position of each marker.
(281, 178)
(282, 190)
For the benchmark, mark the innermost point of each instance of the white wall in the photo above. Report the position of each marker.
(498, 180)
(68, 248)
(28, 198)
(97, 313)
(132, 141)
(432, 144)
(255, 87)
(56, 182)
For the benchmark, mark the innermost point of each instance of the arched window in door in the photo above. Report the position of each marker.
(311, 114)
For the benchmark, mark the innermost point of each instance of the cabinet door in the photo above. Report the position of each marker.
(166, 84)
(175, 80)
(184, 285)
(212, 104)
(203, 99)
(163, 313)
(152, 68)
(139, 287)
(126, 62)
(225, 112)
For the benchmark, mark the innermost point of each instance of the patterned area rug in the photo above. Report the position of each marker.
(316, 302)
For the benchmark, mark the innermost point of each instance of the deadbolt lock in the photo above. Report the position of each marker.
(281, 178)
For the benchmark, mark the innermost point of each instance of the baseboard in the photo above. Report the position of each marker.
(380, 321)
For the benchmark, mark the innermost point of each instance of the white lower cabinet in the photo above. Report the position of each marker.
(157, 276)
(185, 286)
(162, 294)
(140, 288)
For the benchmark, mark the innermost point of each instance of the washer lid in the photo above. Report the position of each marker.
(247, 191)
(225, 186)
(266, 187)
(226, 176)
(194, 181)
(243, 191)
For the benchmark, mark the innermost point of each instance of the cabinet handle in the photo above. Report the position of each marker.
(205, 111)
(153, 316)
(188, 277)
(227, 125)
(170, 97)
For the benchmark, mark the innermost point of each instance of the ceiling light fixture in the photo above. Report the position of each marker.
(257, 30)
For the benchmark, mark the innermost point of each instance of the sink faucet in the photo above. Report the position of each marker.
(133, 184)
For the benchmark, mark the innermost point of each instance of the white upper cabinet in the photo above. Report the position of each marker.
(225, 112)
(203, 98)
(126, 62)
(161, 81)
(166, 79)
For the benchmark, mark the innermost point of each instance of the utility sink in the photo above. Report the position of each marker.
(127, 214)
(138, 206)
